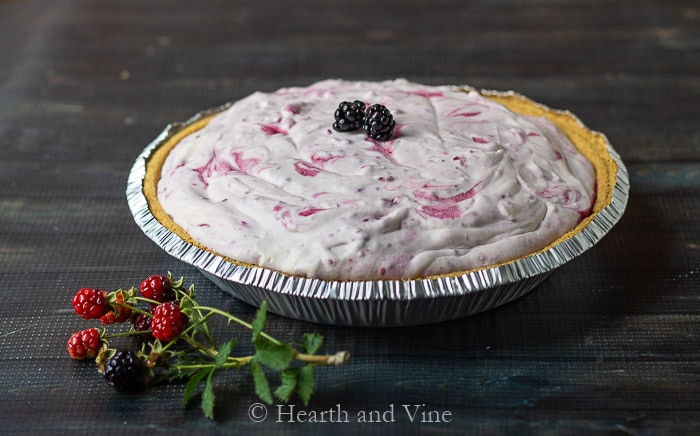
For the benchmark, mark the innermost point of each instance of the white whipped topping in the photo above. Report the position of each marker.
(464, 183)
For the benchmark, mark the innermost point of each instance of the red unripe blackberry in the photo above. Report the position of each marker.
(168, 321)
(126, 372)
(90, 303)
(119, 314)
(157, 287)
(84, 344)
(142, 323)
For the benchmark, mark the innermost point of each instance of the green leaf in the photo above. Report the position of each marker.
(289, 384)
(224, 352)
(193, 383)
(262, 387)
(311, 342)
(275, 356)
(259, 321)
(208, 396)
(306, 383)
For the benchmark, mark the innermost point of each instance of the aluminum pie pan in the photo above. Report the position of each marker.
(383, 303)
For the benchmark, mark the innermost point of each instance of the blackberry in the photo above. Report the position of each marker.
(379, 122)
(349, 116)
(126, 372)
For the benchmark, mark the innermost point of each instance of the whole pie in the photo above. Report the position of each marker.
(463, 180)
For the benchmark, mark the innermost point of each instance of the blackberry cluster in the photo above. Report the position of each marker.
(126, 372)
(349, 116)
(377, 121)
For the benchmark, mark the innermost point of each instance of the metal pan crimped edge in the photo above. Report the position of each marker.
(385, 303)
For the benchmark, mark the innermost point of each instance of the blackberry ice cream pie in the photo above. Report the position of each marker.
(410, 184)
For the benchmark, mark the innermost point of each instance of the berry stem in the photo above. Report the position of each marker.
(207, 351)
(336, 359)
(124, 334)
(236, 320)
(232, 362)
(134, 309)
(190, 340)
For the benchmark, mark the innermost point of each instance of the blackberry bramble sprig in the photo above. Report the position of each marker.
(177, 343)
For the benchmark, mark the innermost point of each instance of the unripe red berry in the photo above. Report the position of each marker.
(120, 313)
(168, 321)
(157, 287)
(90, 303)
(142, 323)
(84, 344)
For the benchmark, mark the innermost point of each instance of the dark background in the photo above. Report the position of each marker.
(608, 344)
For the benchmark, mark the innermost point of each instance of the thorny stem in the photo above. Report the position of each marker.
(235, 362)
(237, 320)
(336, 359)
(199, 346)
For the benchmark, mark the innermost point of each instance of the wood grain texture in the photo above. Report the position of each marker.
(608, 344)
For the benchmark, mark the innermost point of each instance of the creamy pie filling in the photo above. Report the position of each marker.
(463, 183)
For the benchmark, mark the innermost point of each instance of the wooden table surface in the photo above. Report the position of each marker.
(610, 343)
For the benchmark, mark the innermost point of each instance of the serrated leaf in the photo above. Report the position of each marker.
(289, 384)
(305, 383)
(224, 352)
(208, 396)
(192, 385)
(311, 342)
(262, 386)
(275, 356)
(259, 321)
